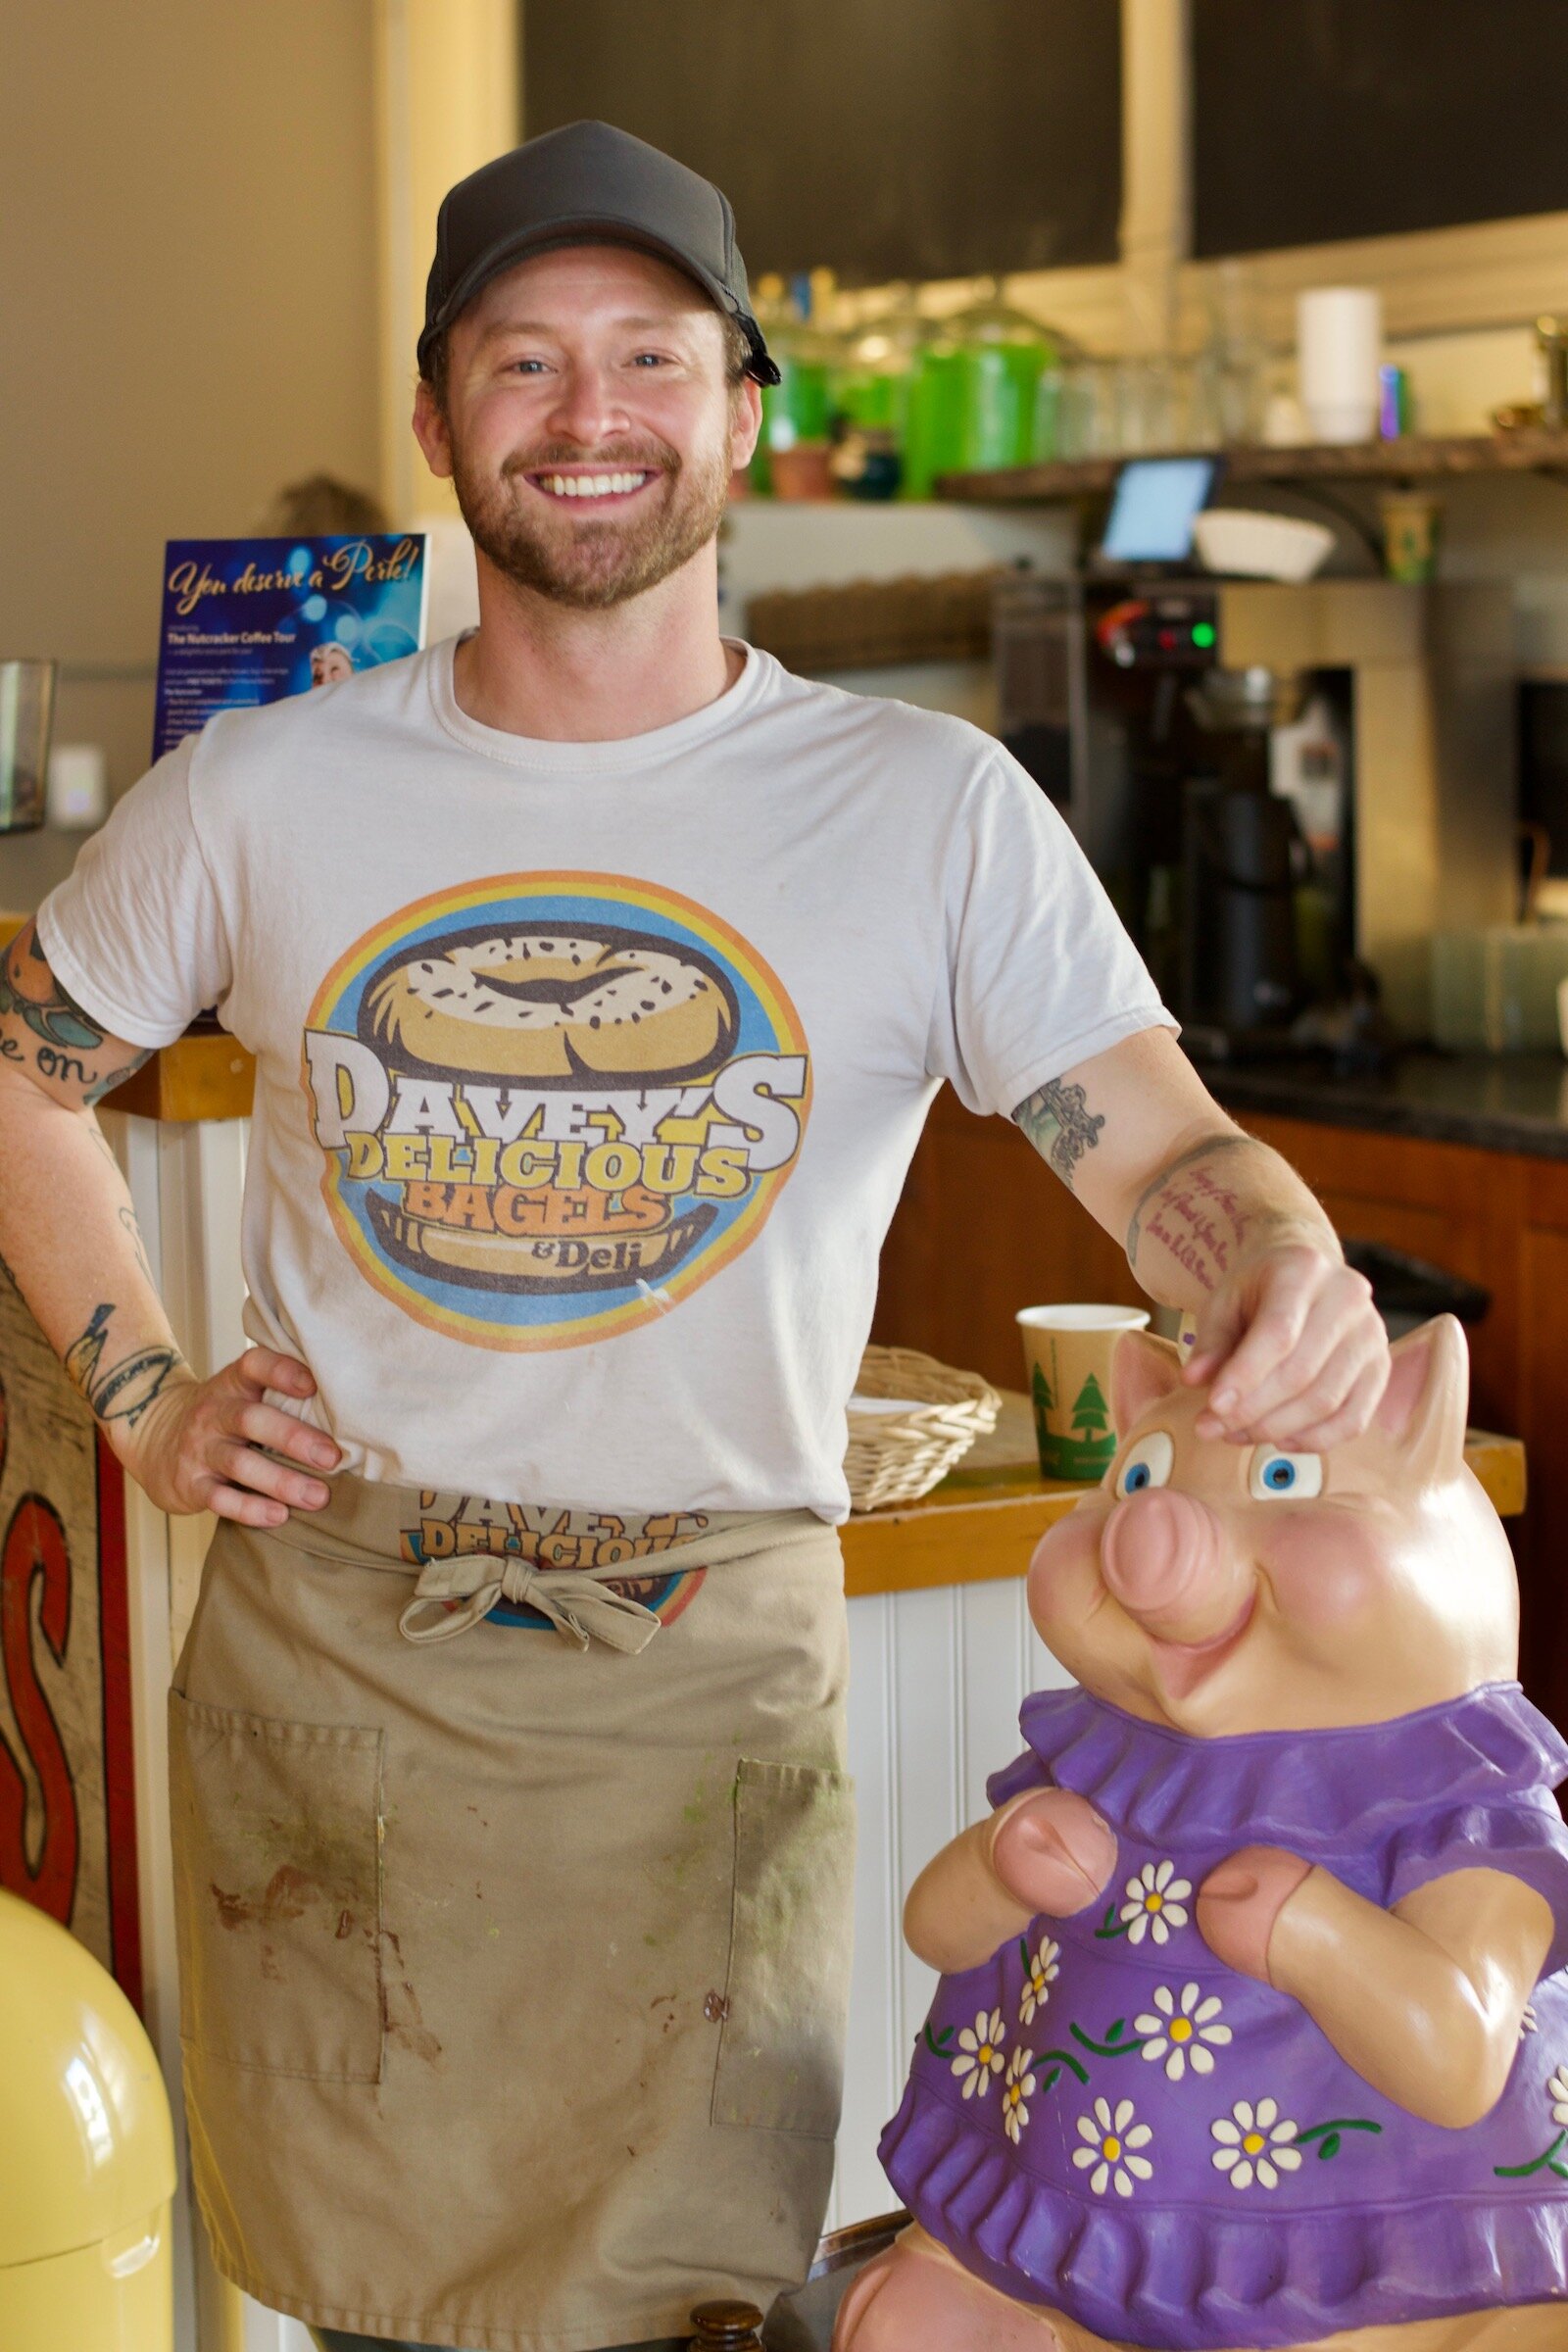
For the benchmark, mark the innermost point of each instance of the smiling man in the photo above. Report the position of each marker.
(600, 975)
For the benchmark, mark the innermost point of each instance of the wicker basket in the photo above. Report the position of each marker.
(895, 1457)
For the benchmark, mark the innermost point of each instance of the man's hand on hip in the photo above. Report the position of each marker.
(199, 1444)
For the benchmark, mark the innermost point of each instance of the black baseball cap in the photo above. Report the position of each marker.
(587, 183)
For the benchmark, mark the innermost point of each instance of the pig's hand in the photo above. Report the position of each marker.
(1047, 1851)
(1239, 1901)
(1051, 1852)
(1423, 2000)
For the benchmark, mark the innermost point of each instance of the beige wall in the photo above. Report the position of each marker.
(189, 301)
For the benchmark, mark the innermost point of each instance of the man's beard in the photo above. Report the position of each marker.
(597, 564)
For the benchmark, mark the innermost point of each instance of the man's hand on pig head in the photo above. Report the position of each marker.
(1290, 1348)
(1224, 1590)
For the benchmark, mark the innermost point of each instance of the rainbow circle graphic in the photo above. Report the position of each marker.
(552, 1105)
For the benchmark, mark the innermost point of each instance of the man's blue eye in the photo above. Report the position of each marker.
(1137, 1478)
(1279, 1474)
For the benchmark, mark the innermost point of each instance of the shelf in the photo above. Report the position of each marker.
(1411, 459)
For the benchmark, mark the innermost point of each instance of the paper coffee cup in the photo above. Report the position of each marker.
(1067, 1354)
(1411, 523)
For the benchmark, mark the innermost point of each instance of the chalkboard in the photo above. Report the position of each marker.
(880, 138)
(1314, 120)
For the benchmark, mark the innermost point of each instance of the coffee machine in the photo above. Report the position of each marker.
(1285, 789)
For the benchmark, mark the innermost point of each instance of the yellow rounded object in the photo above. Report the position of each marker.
(86, 2152)
(114, 2297)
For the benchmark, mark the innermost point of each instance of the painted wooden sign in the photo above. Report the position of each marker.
(67, 1827)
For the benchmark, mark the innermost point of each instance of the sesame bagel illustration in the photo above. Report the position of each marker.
(553, 1006)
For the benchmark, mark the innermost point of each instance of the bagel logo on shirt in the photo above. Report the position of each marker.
(552, 1105)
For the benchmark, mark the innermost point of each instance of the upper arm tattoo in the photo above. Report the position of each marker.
(46, 1032)
(1059, 1122)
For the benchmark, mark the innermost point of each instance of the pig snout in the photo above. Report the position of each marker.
(1164, 1557)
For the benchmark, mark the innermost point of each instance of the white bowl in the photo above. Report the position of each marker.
(1261, 546)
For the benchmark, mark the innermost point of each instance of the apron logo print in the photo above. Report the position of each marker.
(451, 1526)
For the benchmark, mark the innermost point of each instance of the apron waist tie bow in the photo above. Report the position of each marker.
(577, 1605)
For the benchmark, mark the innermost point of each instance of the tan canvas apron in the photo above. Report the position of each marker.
(513, 1966)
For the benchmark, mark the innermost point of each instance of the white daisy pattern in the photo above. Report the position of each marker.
(1178, 2028)
(1112, 2141)
(1041, 1973)
(1154, 1902)
(1528, 2022)
(980, 2053)
(1557, 2093)
(1019, 2086)
(1255, 2144)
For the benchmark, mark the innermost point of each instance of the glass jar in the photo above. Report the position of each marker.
(975, 397)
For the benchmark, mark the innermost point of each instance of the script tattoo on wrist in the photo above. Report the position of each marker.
(1059, 1122)
(68, 1040)
(1194, 1212)
(121, 1390)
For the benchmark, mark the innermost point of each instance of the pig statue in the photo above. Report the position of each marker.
(1249, 2030)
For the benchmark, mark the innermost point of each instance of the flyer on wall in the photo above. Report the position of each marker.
(247, 622)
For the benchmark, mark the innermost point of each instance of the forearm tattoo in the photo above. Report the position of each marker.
(123, 1389)
(127, 1218)
(1194, 1212)
(1059, 1122)
(61, 1042)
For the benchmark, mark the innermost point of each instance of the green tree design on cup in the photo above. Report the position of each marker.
(1092, 1415)
(1067, 1354)
(1043, 1398)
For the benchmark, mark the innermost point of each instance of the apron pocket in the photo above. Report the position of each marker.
(276, 1833)
(781, 2045)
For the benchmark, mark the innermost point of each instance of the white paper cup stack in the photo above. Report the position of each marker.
(1338, 346)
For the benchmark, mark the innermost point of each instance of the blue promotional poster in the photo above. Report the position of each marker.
(250, 621)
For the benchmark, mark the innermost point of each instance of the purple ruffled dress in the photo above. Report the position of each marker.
(1106, 2119)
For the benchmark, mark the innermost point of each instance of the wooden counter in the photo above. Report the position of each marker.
(985, 1519)
(203, 1075)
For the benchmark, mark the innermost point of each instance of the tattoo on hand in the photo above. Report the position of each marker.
(121, 1390)
(1192, 1212)
(1059, 1122)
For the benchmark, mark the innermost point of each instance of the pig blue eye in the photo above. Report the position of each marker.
(1147, 1463)
(1273, 1472)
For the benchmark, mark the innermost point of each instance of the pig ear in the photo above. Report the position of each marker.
(1143, 1369)
(1424, 1406)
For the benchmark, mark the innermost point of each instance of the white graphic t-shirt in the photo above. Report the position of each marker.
(588, 1073)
